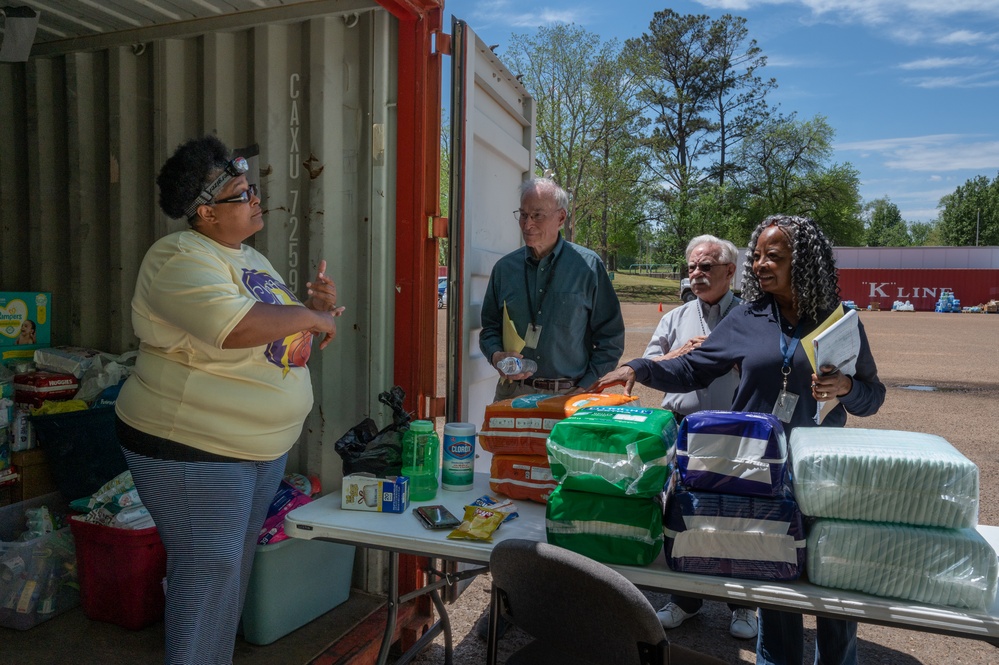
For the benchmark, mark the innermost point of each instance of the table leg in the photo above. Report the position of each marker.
(393, 607)
(493, 640)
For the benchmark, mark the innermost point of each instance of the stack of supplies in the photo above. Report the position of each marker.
(612, 464)
(516, 430)
(731, 513)
(115, 504)
(897, 512)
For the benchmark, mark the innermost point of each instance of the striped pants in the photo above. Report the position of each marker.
(209, 515)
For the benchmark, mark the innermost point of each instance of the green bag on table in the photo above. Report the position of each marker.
(614, 450)
(621, 530)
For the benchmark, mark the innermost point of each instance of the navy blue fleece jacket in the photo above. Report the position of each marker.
(749, 338)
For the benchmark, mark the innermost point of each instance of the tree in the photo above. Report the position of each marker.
(925, 234)
(558, 66)
(607, 218)
(786, 171)
(970, 215)
(884, 225)
(739, 98)
(672, 68)
(699, 86)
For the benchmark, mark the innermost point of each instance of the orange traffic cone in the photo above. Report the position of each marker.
(660, 307)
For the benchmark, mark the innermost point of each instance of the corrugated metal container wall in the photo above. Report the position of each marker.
(83, 135)
(915, 258)
(923, 288)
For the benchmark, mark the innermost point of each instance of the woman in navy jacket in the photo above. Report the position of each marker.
(789, 288)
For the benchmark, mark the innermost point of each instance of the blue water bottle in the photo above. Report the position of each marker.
(421, 459)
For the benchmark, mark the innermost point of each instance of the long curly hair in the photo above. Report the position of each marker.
(191, 168)
(813, 266)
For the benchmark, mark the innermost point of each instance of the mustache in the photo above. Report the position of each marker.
(698, 281)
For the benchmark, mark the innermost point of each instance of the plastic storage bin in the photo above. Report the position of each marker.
(81, 448)
(30, 565)
(292, 583)
(121, 573)
(37, 580)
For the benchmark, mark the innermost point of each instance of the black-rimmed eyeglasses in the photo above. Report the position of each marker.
(703, 267)
(243, 197)
(521, 215)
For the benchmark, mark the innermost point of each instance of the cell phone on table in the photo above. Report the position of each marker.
(436, 517)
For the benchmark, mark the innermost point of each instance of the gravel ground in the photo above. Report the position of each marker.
(955, 354)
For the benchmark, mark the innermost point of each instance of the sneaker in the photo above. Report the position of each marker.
(743, 626)
(673, 615)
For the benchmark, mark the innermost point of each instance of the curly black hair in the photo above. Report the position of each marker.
(191, 168)
(813, 266)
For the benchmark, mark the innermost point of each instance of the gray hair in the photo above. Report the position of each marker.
(549, 187)
(729, 253)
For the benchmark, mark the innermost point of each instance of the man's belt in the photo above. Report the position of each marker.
(551, 384)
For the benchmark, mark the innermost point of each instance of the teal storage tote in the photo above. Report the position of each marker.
(292, 583)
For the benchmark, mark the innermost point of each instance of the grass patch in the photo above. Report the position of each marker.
(641, 288)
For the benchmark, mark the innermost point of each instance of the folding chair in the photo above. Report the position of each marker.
(577, 611)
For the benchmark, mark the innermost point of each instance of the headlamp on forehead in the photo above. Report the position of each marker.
(235, 168)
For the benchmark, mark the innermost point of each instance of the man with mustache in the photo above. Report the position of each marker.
(711, 263)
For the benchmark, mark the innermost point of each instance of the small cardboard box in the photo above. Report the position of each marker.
(25, 324)
(380, 495)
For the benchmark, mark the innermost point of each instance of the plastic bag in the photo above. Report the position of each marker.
(366, 449)
(105, 371)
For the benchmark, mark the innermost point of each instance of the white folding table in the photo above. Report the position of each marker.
(403, 533)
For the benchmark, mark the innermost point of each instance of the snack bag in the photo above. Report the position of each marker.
(478, 524)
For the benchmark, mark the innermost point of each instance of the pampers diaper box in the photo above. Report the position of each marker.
(25, 324)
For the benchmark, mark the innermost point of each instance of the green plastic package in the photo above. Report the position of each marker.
(614, 450)
(621, 530)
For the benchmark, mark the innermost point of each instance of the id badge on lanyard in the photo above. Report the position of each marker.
(786, 401)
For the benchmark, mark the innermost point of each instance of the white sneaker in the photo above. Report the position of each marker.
(673, 615)
(743, 624)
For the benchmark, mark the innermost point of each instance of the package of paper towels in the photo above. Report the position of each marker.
(954, 567)
(732, 452)
(752, 537)
(883, 476)
(614, 450)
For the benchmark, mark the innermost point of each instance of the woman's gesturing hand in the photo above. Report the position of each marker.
(322, 292)
(622, 376)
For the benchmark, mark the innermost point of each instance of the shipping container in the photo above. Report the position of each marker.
(922, 288)
(918, 275)
(342, 101)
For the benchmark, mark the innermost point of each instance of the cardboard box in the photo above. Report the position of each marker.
(25, 324)
(36, 478)
(379, 495)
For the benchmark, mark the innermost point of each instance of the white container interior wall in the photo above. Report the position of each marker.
(83, 135)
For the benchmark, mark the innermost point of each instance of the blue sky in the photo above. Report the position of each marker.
(911, 87)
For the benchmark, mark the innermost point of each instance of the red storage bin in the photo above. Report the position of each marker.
(121, 573)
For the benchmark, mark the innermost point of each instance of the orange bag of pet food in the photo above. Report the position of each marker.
(521, 425)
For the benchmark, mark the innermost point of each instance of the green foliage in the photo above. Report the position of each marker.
(786, 170)
(885, 226)
(970, 215)
(925, 234)
(671, 136)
